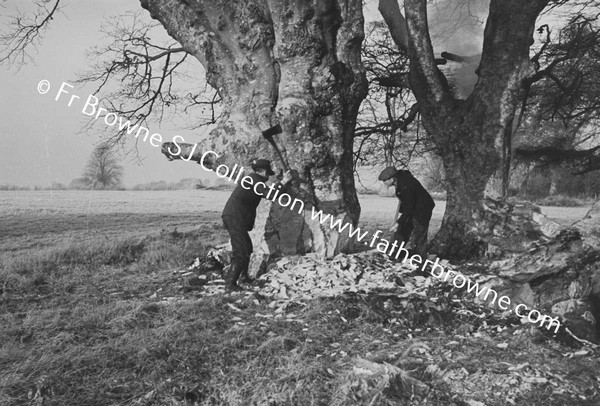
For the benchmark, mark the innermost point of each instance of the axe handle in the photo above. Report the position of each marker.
(278, 151)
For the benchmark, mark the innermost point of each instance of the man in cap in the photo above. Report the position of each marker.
(238, 217)
(416, 206)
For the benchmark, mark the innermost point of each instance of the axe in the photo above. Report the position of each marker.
(268, 134)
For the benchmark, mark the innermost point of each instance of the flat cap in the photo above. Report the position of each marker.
(387, 173)
(262, 164)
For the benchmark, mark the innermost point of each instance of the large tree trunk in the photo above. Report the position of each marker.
(468, 133)
(291, 62)
(468, 168)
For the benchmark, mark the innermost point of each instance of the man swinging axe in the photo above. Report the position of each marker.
(238, 217)
(239, 213)
(416, 207)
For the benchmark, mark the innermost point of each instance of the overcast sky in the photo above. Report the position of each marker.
(40, 138)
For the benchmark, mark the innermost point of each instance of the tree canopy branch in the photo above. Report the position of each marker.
(147, 71)
(25, 32)
(429, 82)
(390, 11)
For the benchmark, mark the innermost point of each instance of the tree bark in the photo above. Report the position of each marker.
(468, 133)
(390, 11)
(294, 63)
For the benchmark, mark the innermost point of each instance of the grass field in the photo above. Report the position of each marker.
(92, 313)
(32, 220)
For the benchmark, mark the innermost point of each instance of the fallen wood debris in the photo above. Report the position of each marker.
(516, 228)
(367, 382)
(309, 277)
(305, 277)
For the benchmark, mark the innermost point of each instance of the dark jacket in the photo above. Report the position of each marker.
(415, 201)
(242, 204)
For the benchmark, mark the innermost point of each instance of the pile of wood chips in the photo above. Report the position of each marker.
(307, 277)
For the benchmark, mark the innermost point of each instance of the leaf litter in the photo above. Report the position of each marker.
(382, 377)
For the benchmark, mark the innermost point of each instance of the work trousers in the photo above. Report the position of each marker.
(414, 234)
(241, 244)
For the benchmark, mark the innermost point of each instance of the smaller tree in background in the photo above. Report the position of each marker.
(103, 170)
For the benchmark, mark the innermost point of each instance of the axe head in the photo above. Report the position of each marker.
(270, 132)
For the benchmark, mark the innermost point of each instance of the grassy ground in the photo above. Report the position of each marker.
(102, 319)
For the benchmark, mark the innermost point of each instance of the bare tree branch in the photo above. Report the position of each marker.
(390, 11)
(385, 129)
(152, 76)
(26, 32)
(424, 71)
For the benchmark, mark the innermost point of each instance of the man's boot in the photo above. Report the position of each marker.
(232, 276)
(244, 277)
